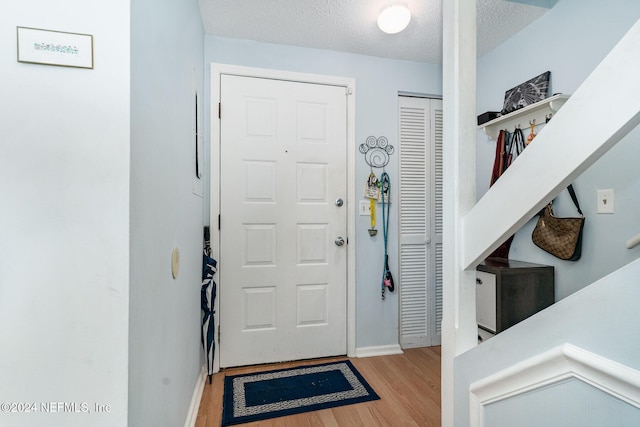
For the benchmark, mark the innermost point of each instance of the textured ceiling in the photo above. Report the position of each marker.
(350, 25)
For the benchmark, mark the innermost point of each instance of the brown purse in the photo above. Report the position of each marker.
(508, 147)
(561, 237)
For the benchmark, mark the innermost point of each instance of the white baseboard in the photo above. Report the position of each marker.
(383, 350)
(192, 415)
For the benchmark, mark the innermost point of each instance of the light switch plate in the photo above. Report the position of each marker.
(365, 208)
(605, 201)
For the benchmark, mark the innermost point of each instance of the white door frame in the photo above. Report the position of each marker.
(214, 177)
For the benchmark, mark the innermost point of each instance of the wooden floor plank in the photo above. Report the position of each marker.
(408, 386)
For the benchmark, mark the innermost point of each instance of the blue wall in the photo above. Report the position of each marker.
(164, 336)
(570, 403)
(377, 84)
(570, 41)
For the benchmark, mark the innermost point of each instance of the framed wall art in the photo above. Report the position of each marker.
(526, 93)
(38, 46)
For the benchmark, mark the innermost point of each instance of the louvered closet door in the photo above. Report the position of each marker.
(420, 221)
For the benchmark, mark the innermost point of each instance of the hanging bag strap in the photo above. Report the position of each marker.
(516, 146)
(518, 142)
(498, 160)
(506, 151)
(574, 198)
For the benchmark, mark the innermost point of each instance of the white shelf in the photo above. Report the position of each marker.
(538, 112)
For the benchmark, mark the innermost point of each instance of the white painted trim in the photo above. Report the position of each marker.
(418, 95)
(555, 365)
(192, 415)
(350, 85)
(351, 218)
(459, 327)
(382, 350)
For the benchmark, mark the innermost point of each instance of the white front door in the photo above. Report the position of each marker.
(283, 168)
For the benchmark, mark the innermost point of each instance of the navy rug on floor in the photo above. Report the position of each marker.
(263, 395)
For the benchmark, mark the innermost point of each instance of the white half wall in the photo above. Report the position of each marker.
(64, 220)
(550, 381)
(599, 319)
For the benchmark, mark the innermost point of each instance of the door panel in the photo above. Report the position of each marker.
(283, 165)
(420, 263)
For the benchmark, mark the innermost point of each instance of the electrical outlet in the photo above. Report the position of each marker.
(605, 201)
(365, 208)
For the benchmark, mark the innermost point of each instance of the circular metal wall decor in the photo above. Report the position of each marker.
(376, 151)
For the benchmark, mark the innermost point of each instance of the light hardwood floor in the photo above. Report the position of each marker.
(408, 386)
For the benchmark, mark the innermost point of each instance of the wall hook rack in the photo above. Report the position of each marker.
(540, 111)
(376, 151)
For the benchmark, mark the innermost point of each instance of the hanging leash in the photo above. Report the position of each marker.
(387, 279)
(372, 211)
(372, 191)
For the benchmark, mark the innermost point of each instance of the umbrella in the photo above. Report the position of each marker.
(207, 298)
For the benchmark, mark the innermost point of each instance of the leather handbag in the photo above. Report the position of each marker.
(561, 237)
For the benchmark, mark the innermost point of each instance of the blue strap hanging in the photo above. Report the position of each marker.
(387, 279)
(376, 153)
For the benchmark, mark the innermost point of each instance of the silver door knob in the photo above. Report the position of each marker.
(339, 202)
(339, 241)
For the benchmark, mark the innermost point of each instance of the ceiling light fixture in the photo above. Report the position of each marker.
(394, 19)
